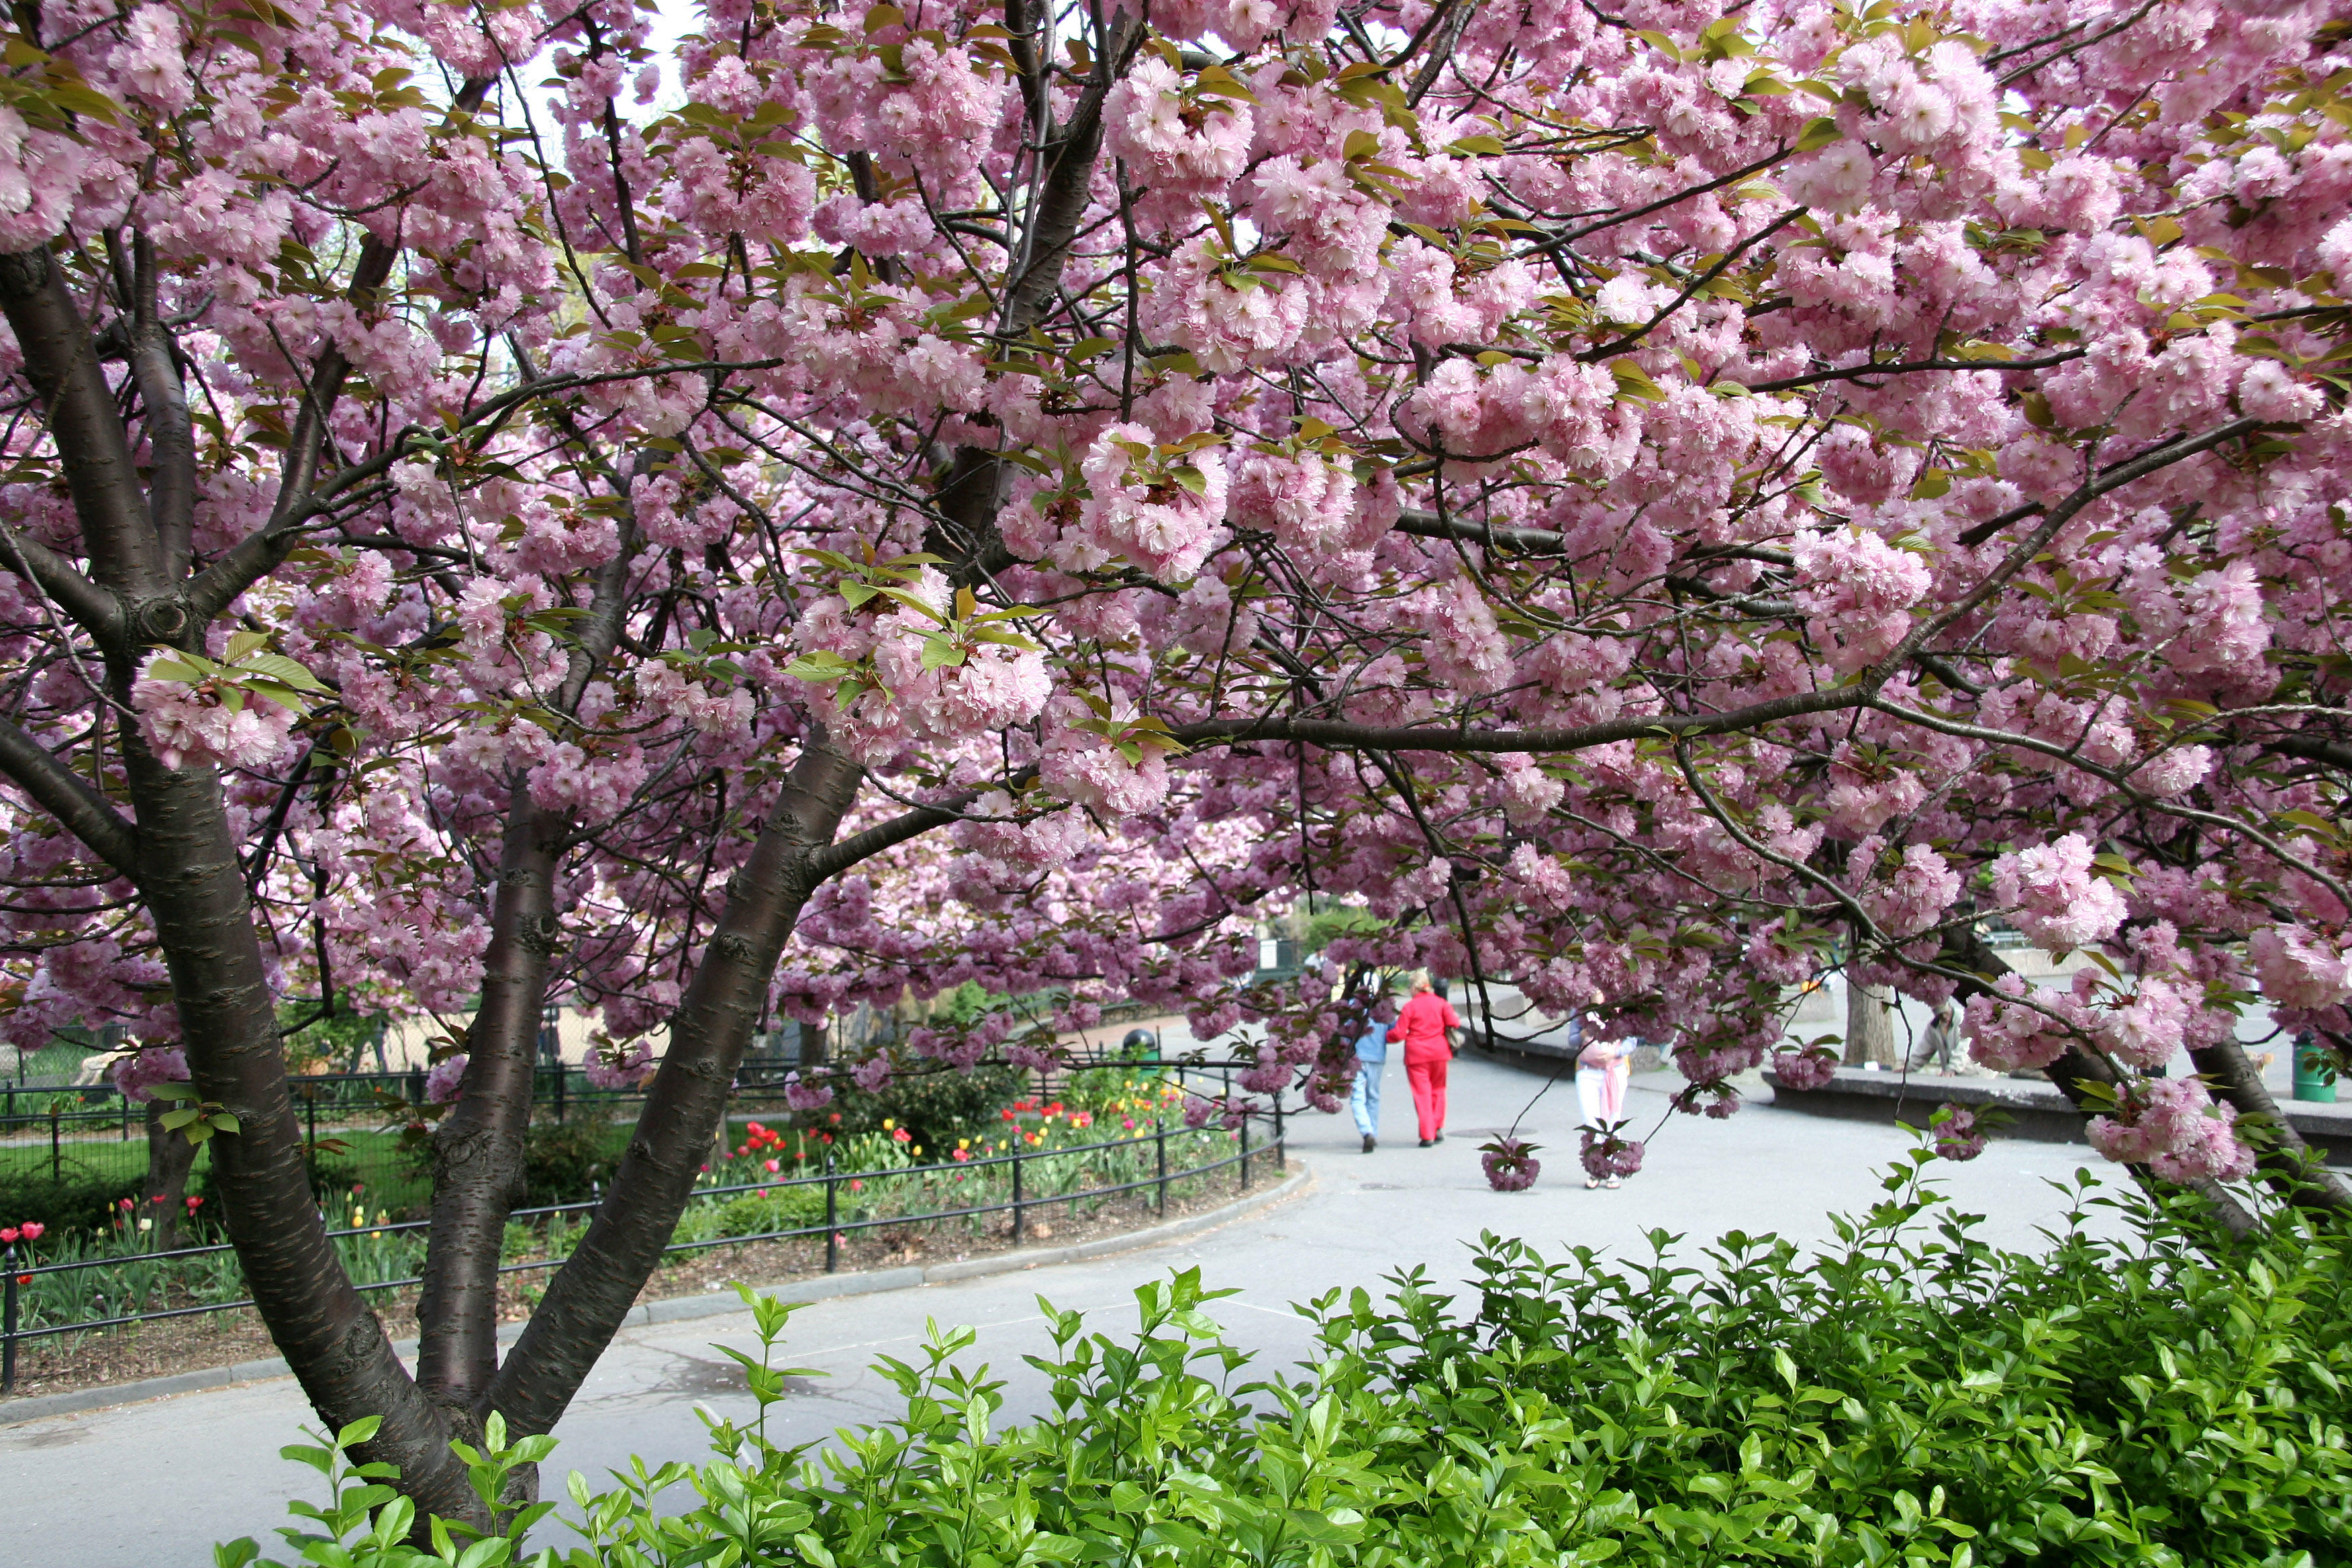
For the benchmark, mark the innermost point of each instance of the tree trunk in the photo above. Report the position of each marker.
(477, 1149)
(2287, 1165)
(171, 1157)
(477, 1152)
(1869, 1024)
(332, 1342)
(812, 1045)
(591, 1295)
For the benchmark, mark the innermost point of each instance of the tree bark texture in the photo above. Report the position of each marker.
(2288, 1164)
(1869, 1025)
(477, 1152)
(591, 1295)
(164, 1195)
(477, 1149)
(195, 890)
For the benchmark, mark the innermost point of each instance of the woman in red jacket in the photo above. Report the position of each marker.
(1427, 1025)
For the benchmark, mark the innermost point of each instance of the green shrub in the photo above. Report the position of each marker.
(566, 1162)
(785, 1208)
(333, 1173)
(936, 1107)
(78, 1201)
(1911, 1396)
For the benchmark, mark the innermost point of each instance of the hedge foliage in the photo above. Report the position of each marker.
(1908, 1395)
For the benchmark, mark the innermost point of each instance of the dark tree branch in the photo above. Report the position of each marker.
(2288, 1165)
(2112, 479)
(835, 858)
(478, 1150)
(93, 448)
(65, 795)
(263, 550)
(1856, 372)
(1338, 735)
(972, 490)
(164, 402)
(1525, 540)
(478, 1167)
(2312, 749)
(92, 608)
(332, 1342)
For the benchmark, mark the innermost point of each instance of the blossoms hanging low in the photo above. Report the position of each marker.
(138, 1074)
(2173, 1126)
(1607, 1155)
(1510, 1165)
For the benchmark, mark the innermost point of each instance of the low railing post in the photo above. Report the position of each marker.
(831, 1216)
(1281, 1149)
(1159, 1136)
(126, 1116)
(560, 1075)
(9, 1321)
(1017, 1159)
(1245, 1152)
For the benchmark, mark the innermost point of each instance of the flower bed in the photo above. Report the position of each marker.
(769, 1192)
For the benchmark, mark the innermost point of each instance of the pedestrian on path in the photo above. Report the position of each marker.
(1427, 1025)
(1602, 1070)
(1371, 1060)
(1940, 1042)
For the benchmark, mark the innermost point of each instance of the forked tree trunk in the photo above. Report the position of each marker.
(591, 1295)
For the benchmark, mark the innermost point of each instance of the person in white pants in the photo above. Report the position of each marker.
(1602, 1070)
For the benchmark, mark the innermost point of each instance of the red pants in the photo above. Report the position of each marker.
(1427, 1076)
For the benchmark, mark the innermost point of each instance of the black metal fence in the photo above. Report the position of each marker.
(1024, 1198)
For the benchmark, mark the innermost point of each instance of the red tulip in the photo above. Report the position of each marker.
(31, 1229)
(9, 1237)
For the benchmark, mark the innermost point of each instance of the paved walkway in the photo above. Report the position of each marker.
(155, 1484)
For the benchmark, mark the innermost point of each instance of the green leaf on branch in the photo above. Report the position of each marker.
(1819, 133)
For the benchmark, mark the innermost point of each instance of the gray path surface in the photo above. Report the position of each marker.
(155, 1484)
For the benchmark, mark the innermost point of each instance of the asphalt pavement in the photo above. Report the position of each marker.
(155, 1484)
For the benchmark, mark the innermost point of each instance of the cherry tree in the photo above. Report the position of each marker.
(1642, 499)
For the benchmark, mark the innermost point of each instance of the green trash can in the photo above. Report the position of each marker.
(2315, 1073)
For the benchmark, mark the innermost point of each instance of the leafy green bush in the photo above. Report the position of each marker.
(1911, 1396)
(79, 1201)
(937, 1107)
(333, 1174)
(969, 1002)
(756, 1214)
(565, 1162)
